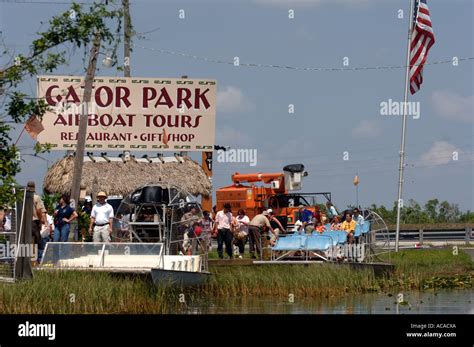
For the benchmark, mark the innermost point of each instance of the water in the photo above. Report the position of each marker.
(430, 302)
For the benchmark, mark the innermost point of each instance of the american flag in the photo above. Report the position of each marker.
(422, 38)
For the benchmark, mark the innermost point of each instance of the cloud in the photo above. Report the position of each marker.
(236, 138)
(309, 3)
(231, 99)
(367, 128)
(441, 152)
(452, 106)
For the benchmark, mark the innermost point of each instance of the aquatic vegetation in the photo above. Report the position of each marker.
(86, 292)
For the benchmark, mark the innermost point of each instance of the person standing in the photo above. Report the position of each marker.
(46, 233)
(39, 218)
(276, 225)
(224, 235)
(102, 216)
(64, 214)
(255, 232)
(207, 226)
(7, 220)
(243, 222)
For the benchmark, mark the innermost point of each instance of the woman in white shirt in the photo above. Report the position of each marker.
(240, 238)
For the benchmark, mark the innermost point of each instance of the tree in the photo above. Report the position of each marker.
(75, 28)
(467, 217)
(413, 213)
(431, 207)
(448, 213)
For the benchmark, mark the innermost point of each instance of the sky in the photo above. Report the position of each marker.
(337, 129)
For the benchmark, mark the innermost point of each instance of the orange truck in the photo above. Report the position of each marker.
(274, 190)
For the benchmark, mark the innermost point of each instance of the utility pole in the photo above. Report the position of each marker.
(127, 36)
(81, 138)
(206, 164)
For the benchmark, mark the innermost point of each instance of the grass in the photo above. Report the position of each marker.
(433, 268)
(281, 280)
(82, 292)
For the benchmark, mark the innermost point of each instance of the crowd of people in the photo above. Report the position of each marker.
(196, 229)
(233, 232)
(56, 227)
(330, 220)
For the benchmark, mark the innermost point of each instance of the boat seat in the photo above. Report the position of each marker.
(292, 243)
(358, 230)
(338, 236)
(318, 243)
(366, 227)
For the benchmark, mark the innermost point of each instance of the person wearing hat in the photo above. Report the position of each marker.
(102, 216)
(255, 233)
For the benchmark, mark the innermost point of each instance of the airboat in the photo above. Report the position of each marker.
(371, 240)
(152, 235)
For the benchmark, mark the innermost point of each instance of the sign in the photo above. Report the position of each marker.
(149, 114)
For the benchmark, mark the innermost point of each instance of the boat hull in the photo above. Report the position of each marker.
(163, 277)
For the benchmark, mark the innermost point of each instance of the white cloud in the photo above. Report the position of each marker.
(367, 128)
(441, 152)
(452, 106)
(231, 99)
(309, 3)
(236, 138)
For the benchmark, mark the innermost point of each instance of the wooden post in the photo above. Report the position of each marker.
(127, 35)
(206, 165)
(95, 190)
(81, 138)
(23, 269)
(468, 234)
(421, 236)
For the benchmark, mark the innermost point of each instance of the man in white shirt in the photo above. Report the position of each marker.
(224, 235)
(357, 217)
(331, 211)
(7, 226)
(102, 216)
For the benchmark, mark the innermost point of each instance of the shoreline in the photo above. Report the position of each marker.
(96, 293)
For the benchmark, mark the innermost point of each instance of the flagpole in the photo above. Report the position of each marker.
(402, 145)
(357, 196)
(357, 192)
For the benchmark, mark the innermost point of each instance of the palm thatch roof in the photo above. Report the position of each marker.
(117, 177)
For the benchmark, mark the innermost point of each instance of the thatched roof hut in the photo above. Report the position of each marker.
(116, 177)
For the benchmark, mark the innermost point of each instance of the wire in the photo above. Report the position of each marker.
(43, 2)
(377, 166)
(288, 67)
